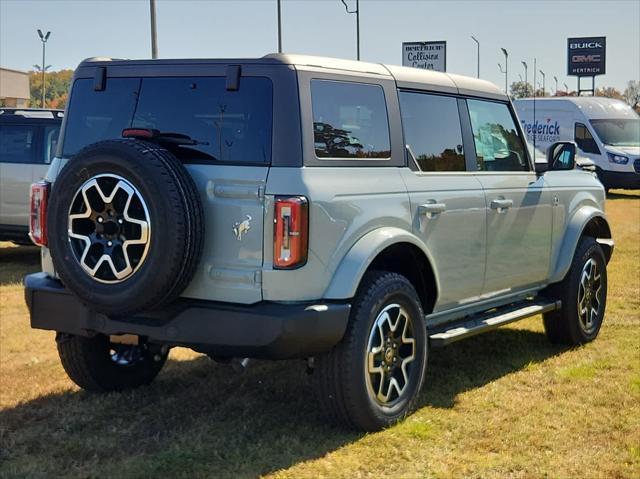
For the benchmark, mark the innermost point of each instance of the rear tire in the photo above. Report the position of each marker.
(353, 381)
(584, 287)
(96, 365)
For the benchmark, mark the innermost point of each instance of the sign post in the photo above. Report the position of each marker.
(586, 57)
(425, 55)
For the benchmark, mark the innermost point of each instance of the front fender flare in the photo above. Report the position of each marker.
(354, 264)
(573, 232)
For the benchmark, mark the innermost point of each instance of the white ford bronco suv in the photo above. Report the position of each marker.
(348, 213)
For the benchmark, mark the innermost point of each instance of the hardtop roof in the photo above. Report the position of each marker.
(405, 76)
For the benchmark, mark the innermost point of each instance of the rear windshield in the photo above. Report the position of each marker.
(226, 126)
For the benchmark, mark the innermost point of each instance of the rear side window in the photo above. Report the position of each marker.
(224, 126)
(432, 131)
(349, 120)
(499, 147)
(585, 140)
(50, 142)
(17, 144)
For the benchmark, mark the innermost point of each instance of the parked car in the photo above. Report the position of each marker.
(28, 139)
(607, 131)
(349, 213)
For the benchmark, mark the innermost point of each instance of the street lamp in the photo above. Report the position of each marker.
(478, 50)
(506, 70)
(543, 82)
(566, 88)
(556, 80)
(526, 77)
(279, 29)
(357, 12)
(154, 31)
(43, 39)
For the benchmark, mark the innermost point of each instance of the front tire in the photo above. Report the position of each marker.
(583, 293)
(97, 365)
(372, 378)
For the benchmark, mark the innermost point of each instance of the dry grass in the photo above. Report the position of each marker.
(506, 404)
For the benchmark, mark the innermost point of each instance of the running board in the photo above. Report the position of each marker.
(493, 319)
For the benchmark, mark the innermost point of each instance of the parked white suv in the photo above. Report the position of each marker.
(28, 140)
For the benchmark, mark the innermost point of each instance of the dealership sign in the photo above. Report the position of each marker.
(425, 55)
(586, 56)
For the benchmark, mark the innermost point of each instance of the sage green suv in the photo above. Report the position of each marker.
(352, 214)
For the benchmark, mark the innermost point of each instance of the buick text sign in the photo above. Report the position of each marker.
(425, 55)
(586, 56)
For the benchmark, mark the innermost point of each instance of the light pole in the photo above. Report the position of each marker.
(154, 31)
(478, 52)
(279, 29)
(543, 82)
(566, 88)
(43, 39)
(556, 80)
(357, 12)
(506, 70)
(526, 77)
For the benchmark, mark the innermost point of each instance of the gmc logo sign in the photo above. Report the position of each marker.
(586, 58)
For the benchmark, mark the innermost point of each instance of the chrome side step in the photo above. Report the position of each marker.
(493, 319)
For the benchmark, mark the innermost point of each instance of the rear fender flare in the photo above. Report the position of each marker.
(355, 263)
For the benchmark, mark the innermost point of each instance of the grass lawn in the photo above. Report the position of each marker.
(505, 404)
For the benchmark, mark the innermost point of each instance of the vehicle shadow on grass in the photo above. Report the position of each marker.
(203, 419)
(623, 195)
(16, 261)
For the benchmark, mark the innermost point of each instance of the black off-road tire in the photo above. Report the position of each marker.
(339, 376)
(563, 326)
(88, 363)
(176, 226)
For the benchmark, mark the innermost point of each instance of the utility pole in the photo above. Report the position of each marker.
(506, 70)
(543, 82)
(279, 29)
(526, 77)
(556, 80)
(478, 53)
(154, 31)
(43, 39)
(357, 12)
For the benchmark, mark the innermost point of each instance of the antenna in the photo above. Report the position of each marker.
(535, 128)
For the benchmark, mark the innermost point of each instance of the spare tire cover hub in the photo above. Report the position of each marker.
(109, 228)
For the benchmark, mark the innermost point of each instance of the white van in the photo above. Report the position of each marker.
(606, 131)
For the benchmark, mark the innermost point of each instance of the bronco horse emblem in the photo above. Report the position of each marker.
(242, 228)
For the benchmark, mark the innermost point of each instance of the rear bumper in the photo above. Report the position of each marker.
(19, 234)
(264, 330)
(619, 179)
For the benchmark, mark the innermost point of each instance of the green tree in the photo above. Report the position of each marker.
(520, 89)
(56, 88)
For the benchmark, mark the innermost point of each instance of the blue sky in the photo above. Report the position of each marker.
(240, 28)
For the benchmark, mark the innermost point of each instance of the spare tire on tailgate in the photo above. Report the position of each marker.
(125, 226)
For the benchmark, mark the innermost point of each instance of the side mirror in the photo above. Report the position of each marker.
(541, 167)
(586, 164)
(562, 156)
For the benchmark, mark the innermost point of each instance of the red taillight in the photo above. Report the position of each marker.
(139, 133)
(291, 232)
(38, 217)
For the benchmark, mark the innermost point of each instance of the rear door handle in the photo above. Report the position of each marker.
(501, 205)
(431, 209)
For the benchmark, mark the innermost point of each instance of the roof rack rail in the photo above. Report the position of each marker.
(32, 112)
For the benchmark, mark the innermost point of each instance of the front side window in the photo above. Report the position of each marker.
(349, 120)
(585, 140)
(499, 147)
(17, 143)
(432, 131)
(213, 123)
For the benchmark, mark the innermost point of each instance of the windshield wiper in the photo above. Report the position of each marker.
(161, 136)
